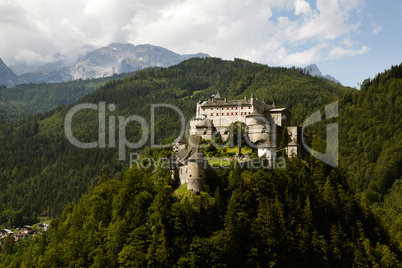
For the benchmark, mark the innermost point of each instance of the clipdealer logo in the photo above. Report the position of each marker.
(330, 156)
(123, 143)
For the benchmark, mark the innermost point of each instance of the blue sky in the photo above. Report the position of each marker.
(385, 46)
(349, 39)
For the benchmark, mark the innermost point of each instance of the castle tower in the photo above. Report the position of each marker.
(293, 149)
(218, 96)
(258, 126)
(196, 172)
(179, 146)
(198, 110)
(268, 149)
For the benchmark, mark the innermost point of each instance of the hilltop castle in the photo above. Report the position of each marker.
(265, 127)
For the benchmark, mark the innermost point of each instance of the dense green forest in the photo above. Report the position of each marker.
(41, 171)
(371, 144)
(306, 215)
(302, 216)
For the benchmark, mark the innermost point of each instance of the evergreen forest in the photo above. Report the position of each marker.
(105, 214)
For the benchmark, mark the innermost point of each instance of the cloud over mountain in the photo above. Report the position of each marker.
(279, 32)
(115, 58)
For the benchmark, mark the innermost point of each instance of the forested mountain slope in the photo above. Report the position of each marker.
(302, 216)
(27, 99)
(371, 143)
(307, 215)
(41, 171)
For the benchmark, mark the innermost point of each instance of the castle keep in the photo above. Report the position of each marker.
(265, 127)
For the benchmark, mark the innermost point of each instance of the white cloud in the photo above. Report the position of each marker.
(304, 33)
(340, 52)
(377, 29)
(328, 21)
(302, 7)
(222, 28)
(31, 57)
(300, 58)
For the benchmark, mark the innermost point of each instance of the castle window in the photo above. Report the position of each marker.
(203, 109)
(223, 114)
(236, 113)
(232, 113)
(212, 114)
(228, 114)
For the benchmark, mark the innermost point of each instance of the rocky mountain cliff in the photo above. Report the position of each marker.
(7, 76)
(314, 71)
(116, 58)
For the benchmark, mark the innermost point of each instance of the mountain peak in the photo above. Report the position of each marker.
(111, 59)
(7, 76)
(121, 45)
(313, 70)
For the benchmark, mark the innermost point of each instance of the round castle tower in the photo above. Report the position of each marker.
(258, 126)
(196, 172)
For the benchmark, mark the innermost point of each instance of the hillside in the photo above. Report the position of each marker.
(303, 216)
(370, 124)
(244, 217)
(27, 99)
(41, 171)
(371, 144)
